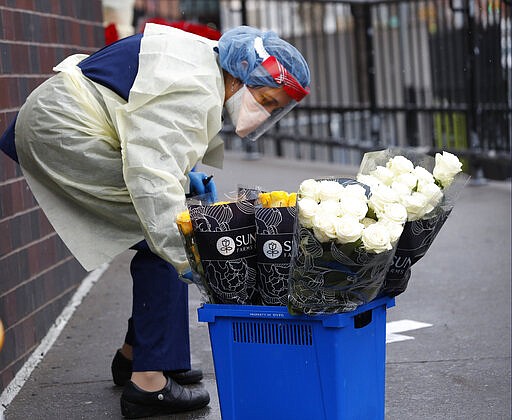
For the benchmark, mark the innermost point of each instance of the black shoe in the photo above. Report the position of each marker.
(173, 398)
(122, 372)
(185, 377)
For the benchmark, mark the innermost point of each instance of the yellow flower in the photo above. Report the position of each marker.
(292, 199)
(197, 258)
(265, 199)
(278, 199)
(184, 223)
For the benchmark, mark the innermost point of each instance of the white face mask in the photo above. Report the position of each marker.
(233, 105)
(252, 114)
(245, 111)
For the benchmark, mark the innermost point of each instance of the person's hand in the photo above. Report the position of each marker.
(201, 184)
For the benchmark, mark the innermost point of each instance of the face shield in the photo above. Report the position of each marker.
(268, 104)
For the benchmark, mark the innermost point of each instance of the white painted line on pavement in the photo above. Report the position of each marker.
(46, 343)
(393, 338)
(405, 325)
(395, 327)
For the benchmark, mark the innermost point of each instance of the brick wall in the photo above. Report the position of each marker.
(38, 275)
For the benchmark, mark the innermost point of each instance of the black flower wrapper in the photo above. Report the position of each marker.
(333, 278)
(417, 238)
(413, 244)
(274, 238)
(226, 240)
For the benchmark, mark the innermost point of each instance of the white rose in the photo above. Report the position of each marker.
(416, 204)
(324, 227)
(355, 190)
(376, 238)
(309, 189)
(307, 211)
(408, 178)
(393, 212)
(447, 166)
(329, 190)
(401, 189)
(395, 230)
(330, 207)
(354, 206)
(381, 196)
(424, 176)
(369, 180)
(383, 174)
(348, 229)
(399, 165)
(433, 193)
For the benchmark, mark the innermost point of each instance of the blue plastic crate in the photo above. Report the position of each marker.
(273, 365)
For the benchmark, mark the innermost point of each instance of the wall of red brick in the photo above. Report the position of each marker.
(38, 275)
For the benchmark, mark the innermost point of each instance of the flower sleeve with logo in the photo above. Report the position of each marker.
(341, 249)
(275, 219)
(226, 242)
(427, 187)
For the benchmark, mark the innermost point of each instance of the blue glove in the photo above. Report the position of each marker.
(211, 188)
(187, 276)
(201, 184)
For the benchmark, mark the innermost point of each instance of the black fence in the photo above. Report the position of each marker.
(431, 74)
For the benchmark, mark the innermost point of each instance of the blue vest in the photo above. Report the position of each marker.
(114, 66)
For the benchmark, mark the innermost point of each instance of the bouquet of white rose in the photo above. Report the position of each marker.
(427, 187)
(341, 250)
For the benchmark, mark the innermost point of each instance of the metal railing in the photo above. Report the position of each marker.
(428, 74)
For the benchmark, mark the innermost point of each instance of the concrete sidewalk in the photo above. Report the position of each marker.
(458, 368)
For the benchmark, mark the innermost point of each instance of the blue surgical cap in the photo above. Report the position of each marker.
(239, 58)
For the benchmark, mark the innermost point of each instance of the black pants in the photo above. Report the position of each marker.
(158, 330)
